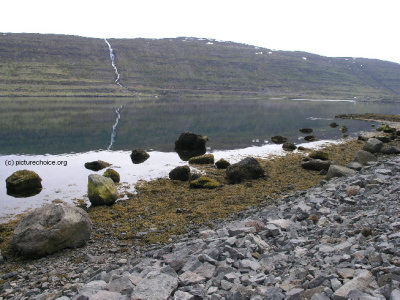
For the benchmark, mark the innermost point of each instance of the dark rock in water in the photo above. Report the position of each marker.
(190, 144)
(306, 130)
(23, 183)
(319, 155)
(206, 159)
(289, 146)
(114, 175)
(362, 138)
(51, 228)
(247, 169)
(204, 183)
(344, 129)
(363, 157)
(311, 138)
(373, 145)
(333, 125)
(222, 164)
(279, 139)
(139, 156)
(180, 173)
(316, 165)
(101, 190)
(390, 150)
(97, 165)
(386, 128)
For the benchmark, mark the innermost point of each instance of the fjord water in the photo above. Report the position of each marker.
(73, 131)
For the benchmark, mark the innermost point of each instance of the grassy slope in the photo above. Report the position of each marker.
(33, 64)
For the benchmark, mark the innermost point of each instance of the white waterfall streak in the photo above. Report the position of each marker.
(112, 57)
(114, 129)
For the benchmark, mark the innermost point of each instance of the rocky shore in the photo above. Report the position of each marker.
(338, 240)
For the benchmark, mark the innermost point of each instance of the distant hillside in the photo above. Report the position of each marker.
(60, 65)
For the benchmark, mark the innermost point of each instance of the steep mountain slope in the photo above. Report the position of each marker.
(34, 64)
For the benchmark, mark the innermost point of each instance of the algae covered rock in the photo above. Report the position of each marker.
(222, 164)
(139, 156)
(204, 183)
(306, 130)
(101, 190)
(246, 169)
(97, 165)
(287, 146)
(206, 159)
(279, 139)
(319, 155)
(316, 165)
(23, 183)
(311, 138)
(190, 144)
(180, 173)
(114, 175)
(51, 228)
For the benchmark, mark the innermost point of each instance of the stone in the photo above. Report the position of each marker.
(316, 165)
(279, 139)
(97, 165)
(105, 295)
(156, 285)
(363, 157)
(289, 146)
(354, 166)
(51, 228)
(101, 190)
(311, 138)
(306, 130)
(23, 183)
(222, 164)
(339, 171)
(204, 183)
(373, 145)
(246, 169)
(352, 190)
(189, 278)
(190, 144)
(139, 156)
(360, 282)
(390, 150)
(205, 159)
(318, 154)
(114, 175)
(181, 173)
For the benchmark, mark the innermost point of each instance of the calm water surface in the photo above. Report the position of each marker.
(74, 131)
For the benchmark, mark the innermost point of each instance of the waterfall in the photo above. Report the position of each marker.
(114, 128)
(112, 57)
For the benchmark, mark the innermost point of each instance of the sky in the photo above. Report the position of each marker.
(338, 28)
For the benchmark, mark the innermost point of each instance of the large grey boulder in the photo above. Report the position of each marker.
(246, 169)
(373, 145)
(339, 171)
(363, 157)
(101, 190)
(51, 228)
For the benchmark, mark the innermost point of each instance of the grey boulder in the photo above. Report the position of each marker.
(373, 145)
(51, 228)
(246, 169)
(339, 171)
(363, 157)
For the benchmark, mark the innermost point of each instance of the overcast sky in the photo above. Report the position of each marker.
(351, 28)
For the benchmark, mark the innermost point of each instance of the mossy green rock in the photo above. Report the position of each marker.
(23, 180)
(202, 159)
(205, 183)
(319, 155)
(222, 164)
(101, 190)
(114, 175)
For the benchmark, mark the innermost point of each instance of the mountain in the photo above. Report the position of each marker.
(62, 65)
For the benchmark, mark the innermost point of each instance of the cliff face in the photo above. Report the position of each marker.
(35, 64)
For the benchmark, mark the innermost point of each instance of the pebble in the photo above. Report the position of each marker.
(337, 240)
